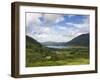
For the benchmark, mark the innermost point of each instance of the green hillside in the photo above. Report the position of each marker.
(81, 40)
(39, 55)
(36, 52)
(30, 42)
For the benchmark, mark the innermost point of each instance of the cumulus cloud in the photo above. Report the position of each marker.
(32, 18)
(59, 19)
(55, 27)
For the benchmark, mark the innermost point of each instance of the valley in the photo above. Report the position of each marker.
(38, 54)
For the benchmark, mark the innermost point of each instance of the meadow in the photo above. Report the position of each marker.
(56, 57)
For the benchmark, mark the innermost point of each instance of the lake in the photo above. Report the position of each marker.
(59, 47)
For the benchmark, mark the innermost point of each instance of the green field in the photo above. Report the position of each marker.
(42, 56)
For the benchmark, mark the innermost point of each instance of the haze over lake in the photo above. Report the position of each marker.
(59, 47)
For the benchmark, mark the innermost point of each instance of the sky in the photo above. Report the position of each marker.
(46, 27)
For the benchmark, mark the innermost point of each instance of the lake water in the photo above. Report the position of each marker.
(60, 47)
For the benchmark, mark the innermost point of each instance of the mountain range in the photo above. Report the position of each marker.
(81, 40)
(38, 54)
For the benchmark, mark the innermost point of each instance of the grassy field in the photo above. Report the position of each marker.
(56, 57)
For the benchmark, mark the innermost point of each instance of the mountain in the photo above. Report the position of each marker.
(32, 42)
(53, 43)
(39, 55)
(81, 40)
(36, 51)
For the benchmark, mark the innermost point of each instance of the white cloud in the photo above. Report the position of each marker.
(42, 35)
(70, 15)
(32, 18)
(62, 28)
(65, 34)
(51, 17)
(69, 23)
(78, 29)
(49, 33)
(46, 29)
(59, 19)
(51, 37)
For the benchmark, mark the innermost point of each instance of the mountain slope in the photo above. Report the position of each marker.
(81, 40)
(31, 42)
(36, 52)
(39, 55)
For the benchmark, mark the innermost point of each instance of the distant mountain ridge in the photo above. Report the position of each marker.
(81, 40)
(53, 43)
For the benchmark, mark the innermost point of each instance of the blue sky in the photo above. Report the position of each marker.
(56, 27)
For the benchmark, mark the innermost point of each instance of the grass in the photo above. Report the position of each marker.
(57, 57)
(59, 62)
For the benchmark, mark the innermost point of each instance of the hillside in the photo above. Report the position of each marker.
(81, 40)
(36, 52)
(39, 55)
(32, 42)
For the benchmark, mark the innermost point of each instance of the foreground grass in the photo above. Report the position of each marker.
(59, 62)
(57, 57)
